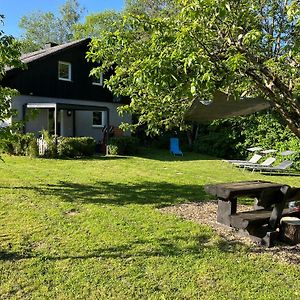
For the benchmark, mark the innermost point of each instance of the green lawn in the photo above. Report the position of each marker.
(90, 229)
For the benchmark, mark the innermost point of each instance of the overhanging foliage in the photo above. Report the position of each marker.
(240, 47)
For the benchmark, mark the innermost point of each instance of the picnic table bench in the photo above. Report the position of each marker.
(269, 206)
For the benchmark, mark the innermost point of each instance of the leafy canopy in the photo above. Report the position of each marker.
(9, 57)
(43, 27)
(163, 62)
(109, 21)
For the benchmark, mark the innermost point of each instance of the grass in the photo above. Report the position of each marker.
(90, 229)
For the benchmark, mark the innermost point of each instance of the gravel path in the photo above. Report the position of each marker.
(206, 213)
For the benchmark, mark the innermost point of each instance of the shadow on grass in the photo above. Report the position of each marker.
(175, 246)
(11, 255)
(165, 155)
(158, 194)
(90, 158)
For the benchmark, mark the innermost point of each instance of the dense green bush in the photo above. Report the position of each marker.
(268, 132)
(76, 146)
(124, 145)
(16, 143)
(231, 137)
(222, 138)
(51, 150)
(112, 149)
(33, 149)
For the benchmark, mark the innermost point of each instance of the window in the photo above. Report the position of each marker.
(98, 81)
(64, 71)
(98, 120)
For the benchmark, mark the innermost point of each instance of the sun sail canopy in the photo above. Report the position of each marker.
(224, 106)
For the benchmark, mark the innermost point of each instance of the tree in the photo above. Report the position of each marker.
(245, 48)
(95, 24)
(43, 27)
(150, 7)
(9, 57)
(110, 20)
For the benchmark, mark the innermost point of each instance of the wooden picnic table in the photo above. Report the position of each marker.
(269, 202)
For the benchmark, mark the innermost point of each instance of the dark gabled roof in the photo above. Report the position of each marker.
(37, 55)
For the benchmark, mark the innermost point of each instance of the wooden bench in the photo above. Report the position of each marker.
(269, 201)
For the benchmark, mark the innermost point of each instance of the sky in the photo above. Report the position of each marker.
(13, 10)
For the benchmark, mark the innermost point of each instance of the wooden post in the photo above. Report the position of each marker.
(225, 210)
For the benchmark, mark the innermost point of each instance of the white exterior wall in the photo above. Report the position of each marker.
(83, 119)
(39, 122)
(66, 123)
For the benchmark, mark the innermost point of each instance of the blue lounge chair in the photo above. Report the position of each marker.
(174, 147)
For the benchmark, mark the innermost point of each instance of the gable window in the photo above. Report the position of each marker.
(98, 80)
(64, 71)
(98, 119)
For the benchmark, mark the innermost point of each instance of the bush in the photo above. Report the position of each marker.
(33, 149)
(51, 151)
(231, 137)
(268, 132)
(221, 138)
(124, 145)
(113, 149)
(74, 147)
(16, 143)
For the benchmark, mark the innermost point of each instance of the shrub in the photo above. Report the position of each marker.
(51, 150)
(124, 145)
(268, 132)
(113, 149)
(76, 146)
(221, 138)
(231, 137)
(33, 149)
(16, 143)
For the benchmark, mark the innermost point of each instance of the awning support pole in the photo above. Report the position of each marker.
(55, 120)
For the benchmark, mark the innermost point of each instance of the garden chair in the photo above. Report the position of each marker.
(287, 153)
(174, 147)
(253, 160)
(254, 149)
(282, 167)
(266, 163)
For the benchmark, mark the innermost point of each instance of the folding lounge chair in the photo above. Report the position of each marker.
(253, 160)
(282, 167)
(268, 151)
(267, 163)
(253, 149)
(287, 152)
(174, 147)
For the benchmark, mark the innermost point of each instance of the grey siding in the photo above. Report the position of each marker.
(83, 119)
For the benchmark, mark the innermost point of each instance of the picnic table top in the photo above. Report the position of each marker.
(241, 188)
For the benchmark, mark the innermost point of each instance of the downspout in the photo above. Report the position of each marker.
(74, 122)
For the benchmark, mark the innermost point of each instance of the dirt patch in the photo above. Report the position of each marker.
(206, 213)
(71, 212)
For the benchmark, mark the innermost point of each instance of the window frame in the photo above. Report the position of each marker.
(69, 71)
(97, 81)
(102, 119)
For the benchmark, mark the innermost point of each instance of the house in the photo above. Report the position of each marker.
(56, 93)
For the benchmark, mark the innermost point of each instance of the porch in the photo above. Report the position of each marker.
(64, 119)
